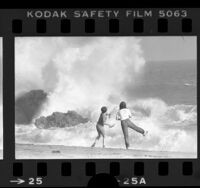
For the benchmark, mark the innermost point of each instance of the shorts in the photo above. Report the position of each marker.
(100, 130)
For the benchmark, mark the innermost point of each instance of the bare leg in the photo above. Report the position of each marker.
(135, 127)
(99, 131)
(102, 133)
(97, 138)
(103, 143)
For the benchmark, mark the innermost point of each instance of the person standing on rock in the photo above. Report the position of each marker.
(124, 116)
(100, 126)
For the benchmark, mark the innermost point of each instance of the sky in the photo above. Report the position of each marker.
(39, 60)
(84, 73)
(68, 66)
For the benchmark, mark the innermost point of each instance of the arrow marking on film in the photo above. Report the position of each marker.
(18, 181)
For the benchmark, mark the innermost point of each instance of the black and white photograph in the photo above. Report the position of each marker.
(105, 97)
(1, 100)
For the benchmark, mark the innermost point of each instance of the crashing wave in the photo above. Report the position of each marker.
(171, 128)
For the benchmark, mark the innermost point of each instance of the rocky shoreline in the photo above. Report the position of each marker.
(60, 120)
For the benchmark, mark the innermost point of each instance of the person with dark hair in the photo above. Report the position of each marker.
(124, 115)
(100, 125)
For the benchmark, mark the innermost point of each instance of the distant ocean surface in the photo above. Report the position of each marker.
(174, 82)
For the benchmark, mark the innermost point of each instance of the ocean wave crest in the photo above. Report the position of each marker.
(171, 128)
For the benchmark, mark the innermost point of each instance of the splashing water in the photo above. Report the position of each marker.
(169, 130)
(84, 74)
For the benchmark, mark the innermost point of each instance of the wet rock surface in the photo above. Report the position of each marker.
(60, 120)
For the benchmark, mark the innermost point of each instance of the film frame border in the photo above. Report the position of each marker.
(17, 25)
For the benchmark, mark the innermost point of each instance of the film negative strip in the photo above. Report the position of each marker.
(99, 97)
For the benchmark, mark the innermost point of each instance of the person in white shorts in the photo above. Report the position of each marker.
(124, 116)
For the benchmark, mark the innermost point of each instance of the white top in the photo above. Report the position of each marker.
(124, 114)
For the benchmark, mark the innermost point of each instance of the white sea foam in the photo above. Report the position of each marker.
(171, 128)
(84, 76)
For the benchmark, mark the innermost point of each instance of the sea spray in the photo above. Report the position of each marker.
(83, 74)
(78, 73)
(166, 132)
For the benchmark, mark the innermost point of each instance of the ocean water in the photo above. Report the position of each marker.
(175, 82)
(163, 101)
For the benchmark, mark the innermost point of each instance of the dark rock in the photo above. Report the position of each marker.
(61, 120)
(28, 105)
